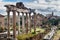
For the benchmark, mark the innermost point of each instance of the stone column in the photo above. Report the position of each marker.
(34, 22)
(29, 22)
(8, 16)
(14, 25)
(23, 25)
(26, 22)
(18, 23)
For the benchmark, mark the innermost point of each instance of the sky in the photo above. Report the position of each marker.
(42, 6)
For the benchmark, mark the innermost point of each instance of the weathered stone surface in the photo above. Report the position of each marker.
(20, 5)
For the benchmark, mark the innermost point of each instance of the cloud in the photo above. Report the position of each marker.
(43, 6)
(2, 8)
(1, 0)
(52, 5)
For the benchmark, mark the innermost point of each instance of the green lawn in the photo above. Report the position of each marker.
(58, 32)
(38, 30)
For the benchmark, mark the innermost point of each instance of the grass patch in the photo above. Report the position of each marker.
(58, 32)
(29, 35)
(38, 30)
(25, 36)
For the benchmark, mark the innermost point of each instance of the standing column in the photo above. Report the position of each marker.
(18, 23)
(34, 22)
(8, 16)
(14, 25)
(23, 25)
(29, 23)
(26, 23)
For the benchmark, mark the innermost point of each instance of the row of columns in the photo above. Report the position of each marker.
(28, 23)
(14, 23)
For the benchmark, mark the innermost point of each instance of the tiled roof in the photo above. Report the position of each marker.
(1, 15)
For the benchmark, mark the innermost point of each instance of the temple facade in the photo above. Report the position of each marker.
(19, 8)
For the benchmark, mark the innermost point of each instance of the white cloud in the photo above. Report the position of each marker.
(1, 0)
(5, 3)
(42, 4)
(41, 1)
(37, 4)
(54, 5)
(4, 8)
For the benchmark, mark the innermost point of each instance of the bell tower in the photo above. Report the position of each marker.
(52, 14)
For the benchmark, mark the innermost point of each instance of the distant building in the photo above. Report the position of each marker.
(1, 20)
(52, 16)
(39, 19)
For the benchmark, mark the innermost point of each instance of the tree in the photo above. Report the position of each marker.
(53, 21)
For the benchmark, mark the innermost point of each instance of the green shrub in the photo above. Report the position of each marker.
(20, 30)
(1, 29)
(33, 32)
(25, 36)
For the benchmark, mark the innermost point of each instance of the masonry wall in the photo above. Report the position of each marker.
(2, 21)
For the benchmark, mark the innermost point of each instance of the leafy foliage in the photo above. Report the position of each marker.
(54, 21)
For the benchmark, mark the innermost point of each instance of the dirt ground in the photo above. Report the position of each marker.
(57, 35)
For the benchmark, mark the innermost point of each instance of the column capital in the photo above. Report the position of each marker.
(8, 11)
(22, 13)
(26, 13)
(18, 12)
(34, 12)
(13, 10)
(29, 13)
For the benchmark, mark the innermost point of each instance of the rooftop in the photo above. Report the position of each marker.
(1, 15)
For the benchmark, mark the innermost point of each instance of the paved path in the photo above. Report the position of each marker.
(50, 35)
(3, 38)
(6, 38)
